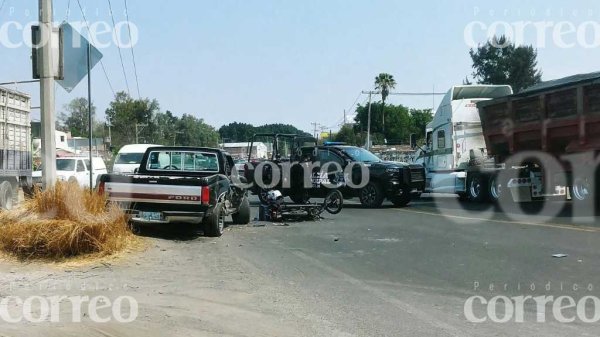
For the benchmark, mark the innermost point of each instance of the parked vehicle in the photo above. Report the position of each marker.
(129, 158)
(181, 184)
(75, 169)
(15, 146)
(386, 180)
(557, 118)
(554, 118)
(453, 136)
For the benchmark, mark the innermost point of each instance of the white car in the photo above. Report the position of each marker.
(129, 158)
(75, 169)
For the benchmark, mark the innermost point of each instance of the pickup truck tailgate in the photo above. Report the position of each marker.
(153, 193)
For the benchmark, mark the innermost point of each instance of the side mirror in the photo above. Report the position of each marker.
(413, 141)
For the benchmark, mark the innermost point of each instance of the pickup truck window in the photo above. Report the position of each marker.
(183, 161)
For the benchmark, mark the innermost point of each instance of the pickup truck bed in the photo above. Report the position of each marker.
(183, 191)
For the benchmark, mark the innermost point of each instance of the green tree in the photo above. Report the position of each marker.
(399, 123)
(348, 135)
(419, 120)
(384, 82)
(242, 132)
(125, 112)
(75, 118)
(500, 61)
(194, 132)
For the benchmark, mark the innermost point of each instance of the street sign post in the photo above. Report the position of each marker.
(75, 57)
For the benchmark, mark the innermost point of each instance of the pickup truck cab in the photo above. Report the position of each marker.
(181, 185)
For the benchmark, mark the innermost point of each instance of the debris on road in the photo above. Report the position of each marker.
(559, 256)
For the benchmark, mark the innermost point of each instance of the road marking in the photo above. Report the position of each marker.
(533, 224)
(407, 308)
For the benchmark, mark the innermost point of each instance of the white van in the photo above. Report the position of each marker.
(75, 169)
(129, 158)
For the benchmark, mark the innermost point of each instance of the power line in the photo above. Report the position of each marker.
(68, 11)
(101, 62)
(118, 47)
(137, 82)
(2, 5)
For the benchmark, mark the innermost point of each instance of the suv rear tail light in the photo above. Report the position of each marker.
(205, 195)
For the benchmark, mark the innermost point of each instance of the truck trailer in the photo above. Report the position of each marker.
(15, 145)
(542, 142)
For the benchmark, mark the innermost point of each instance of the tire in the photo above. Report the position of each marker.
(371, 196)
(300, 198)
(462, 196)
(242, 217)
(262, 196)
(402, 199)
(495, 189)
(214, 224)
(582, 192)
(334, 201)
(6, 196)
(477, 189)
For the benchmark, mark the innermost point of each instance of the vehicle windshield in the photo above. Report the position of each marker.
(129, 158)
(361, 155)
(65, 164)
(183, 161)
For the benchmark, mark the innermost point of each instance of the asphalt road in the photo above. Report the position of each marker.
(363, 272)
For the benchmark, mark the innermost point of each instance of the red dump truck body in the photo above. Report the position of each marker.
(557, 117)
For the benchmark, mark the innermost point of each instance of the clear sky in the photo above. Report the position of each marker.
(299, 62)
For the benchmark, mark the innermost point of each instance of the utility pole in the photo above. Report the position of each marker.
(369, 119)
(344, 116)
(315, 126)
(90, 119)
(47, 95)
(137, 131)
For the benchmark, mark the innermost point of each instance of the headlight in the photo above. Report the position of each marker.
(393, 170)
(61, 178)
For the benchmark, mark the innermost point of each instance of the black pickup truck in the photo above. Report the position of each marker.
(181, 185)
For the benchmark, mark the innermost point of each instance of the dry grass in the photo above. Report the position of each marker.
(64, 222)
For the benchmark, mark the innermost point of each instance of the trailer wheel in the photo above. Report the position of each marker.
(581, 190)
(477, 188)
(495, 188)
(6, 196)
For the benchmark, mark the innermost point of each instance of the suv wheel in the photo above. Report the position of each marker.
(402, 199)
(371, 195)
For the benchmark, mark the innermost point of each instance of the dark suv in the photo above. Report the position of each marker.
(386, 180)
(381, 180)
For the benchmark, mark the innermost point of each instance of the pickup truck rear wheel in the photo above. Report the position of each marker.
(214, 224)
(242, 217)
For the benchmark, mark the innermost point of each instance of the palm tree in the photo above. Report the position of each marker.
(384, 82)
